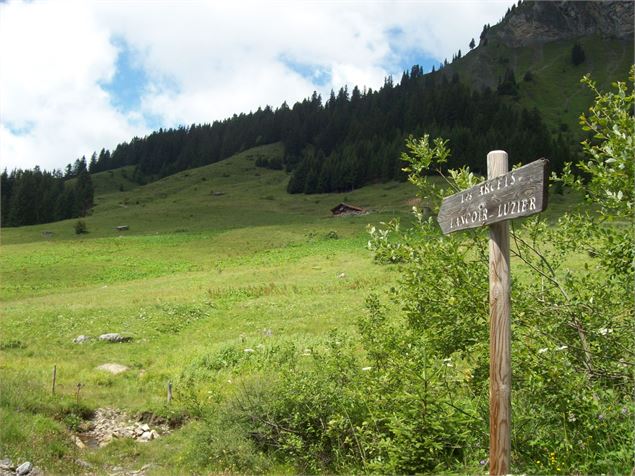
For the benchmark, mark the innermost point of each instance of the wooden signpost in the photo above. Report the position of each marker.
(503, 196)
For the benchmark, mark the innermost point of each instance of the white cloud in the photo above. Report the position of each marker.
(52, 109)
(203, 60)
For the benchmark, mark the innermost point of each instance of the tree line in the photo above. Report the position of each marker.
(357, 139)
(351, 139)
(35, 196)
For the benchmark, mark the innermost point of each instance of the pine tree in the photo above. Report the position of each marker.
(84, 193)
(92, 165)
(577, 54)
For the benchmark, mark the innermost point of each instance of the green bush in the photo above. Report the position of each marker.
(572, 317)
(80, 227)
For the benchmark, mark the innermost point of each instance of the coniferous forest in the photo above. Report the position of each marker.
(35, 196)
(351, 139)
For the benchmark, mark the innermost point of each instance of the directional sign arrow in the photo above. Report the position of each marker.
(519, 193)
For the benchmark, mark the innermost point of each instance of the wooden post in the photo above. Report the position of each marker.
(500, 333)
(502, 197)
(169, 392)
(54, 379)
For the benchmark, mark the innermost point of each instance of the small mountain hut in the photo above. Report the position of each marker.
(343, 209)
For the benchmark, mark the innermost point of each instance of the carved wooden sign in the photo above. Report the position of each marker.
(519, 193)
(503, 196)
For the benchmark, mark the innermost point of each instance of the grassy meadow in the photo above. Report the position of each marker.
(212, 257)
(216, 260)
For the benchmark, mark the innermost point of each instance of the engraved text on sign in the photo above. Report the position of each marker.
(521, 192)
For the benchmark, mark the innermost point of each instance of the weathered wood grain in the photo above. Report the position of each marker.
(500, 371)
(519, 193)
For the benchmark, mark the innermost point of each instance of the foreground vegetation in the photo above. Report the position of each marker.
(292, 350)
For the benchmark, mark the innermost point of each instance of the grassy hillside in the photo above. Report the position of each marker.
(555, 88)
(217, 260)
(213, 256)
(118, 180)
(229, 194)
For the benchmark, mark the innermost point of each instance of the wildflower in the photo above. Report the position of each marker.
(604, 331)
(601, 416)
(571, 417)
(562, 347)
(543, 350)
(624, 411)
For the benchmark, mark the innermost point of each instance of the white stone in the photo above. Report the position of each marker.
(78, 442)
(113, 368)
(24, 468)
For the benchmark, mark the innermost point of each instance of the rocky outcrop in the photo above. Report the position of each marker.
(542, 22)
(110, 423)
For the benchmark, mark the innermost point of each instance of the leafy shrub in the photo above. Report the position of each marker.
(224, 444)
(80, 227)
(572, 315)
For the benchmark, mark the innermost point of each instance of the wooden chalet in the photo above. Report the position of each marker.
(347, 209)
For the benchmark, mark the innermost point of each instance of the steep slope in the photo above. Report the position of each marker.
(535, 40)
(533, 23)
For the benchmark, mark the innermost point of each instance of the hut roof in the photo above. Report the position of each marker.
(341, 207)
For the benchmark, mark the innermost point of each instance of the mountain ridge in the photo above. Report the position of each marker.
(533, 22)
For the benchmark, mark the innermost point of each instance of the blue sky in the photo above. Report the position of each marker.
(80, 75)
(129, 79)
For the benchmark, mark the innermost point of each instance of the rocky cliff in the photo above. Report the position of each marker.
(534, 22)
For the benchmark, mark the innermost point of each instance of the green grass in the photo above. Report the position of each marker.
(196, 273)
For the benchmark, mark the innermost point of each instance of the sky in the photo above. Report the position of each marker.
(79, 76)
